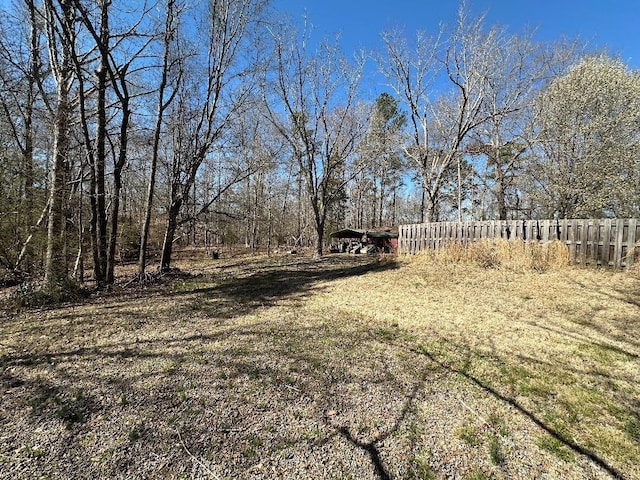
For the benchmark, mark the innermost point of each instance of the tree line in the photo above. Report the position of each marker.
(127, 128)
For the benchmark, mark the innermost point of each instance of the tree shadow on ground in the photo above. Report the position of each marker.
(464, 367)
(244, 399)
(372, 446)
(239, 291)
(626, 330)
(229, 398)
(209, 401)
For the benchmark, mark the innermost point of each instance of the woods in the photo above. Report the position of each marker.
(128, 131)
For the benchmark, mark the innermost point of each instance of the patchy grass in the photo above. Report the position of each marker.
(343, 367)
(495, 451)
(556, 447)
(468, 434)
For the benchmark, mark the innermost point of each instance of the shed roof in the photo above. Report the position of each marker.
(382, 234)
(355, 233)
(347, 233)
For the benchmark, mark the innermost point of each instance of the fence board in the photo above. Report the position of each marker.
(582, 239)
(570, 235)
(618, 245)
(605, 231)
(607, 242)
(632, 238)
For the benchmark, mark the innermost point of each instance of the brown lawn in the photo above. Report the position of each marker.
(344, 367)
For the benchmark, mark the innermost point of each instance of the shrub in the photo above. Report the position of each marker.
(129, 240)
(33, 294)
(486, 254)
(452, 252)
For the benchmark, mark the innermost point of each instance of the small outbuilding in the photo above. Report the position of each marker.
(364, 241)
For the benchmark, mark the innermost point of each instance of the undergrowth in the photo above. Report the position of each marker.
(33, 295)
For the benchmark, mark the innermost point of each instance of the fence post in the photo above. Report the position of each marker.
(618, 244)
(606, 243)
(597, 236)
(545, 230)
(581, 236)
(631, 242)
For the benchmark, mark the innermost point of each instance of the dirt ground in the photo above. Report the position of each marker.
(346, 366)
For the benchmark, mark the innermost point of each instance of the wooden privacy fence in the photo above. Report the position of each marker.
(607, 242)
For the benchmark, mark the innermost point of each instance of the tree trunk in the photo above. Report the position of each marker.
(319, 240)
(459, 173)
(500, 187)
(117, 180)
(319, 214)
(169, 236)
(270, 225)
(78, 268)
(500, 199)
(430, 211)
(247, 215)
(100, 157)
(113, 234)
(381, 202)
(144, 235)
(374, 204)
(33, 76)
(423, 210)
(299, 232)
(93, 225)
(115, 202)
(56, 271)
(394, 207)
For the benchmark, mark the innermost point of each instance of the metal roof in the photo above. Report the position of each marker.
(354, 233)
(347, 233)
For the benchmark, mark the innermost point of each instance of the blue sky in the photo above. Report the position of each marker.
(613, 24)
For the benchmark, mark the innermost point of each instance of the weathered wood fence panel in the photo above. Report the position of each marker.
(607, 242)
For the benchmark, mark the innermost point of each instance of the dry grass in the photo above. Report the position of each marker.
(345, 367)
(514, 255)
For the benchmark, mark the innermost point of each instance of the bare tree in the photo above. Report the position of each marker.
(171, 69)
(22, 70)
(382, 151)
(21, 77)
(112, 75)
(520, 69)
(208, 101)
(259, 148)
(411, 73)
(440, 123)
(316, 111)
(60, 27)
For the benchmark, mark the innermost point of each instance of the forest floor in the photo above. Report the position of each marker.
(341, 367)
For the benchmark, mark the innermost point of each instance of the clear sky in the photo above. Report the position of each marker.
(611, 24)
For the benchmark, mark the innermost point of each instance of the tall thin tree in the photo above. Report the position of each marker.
(60, 28)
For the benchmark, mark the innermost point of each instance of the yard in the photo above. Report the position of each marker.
(344, 367)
